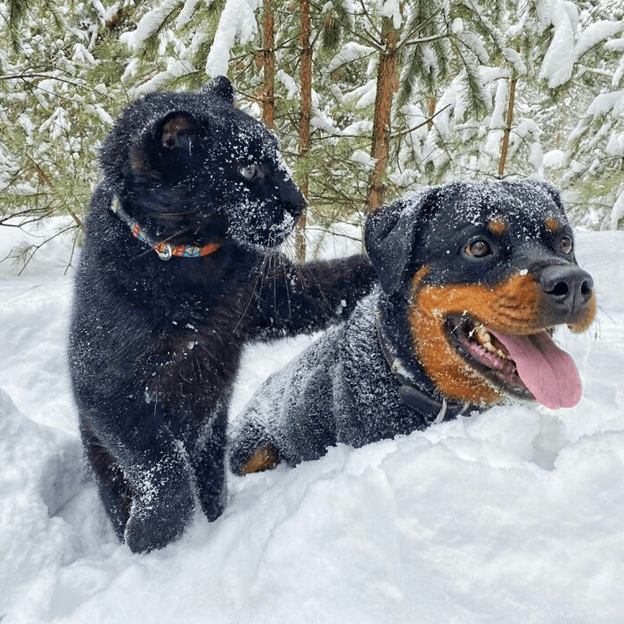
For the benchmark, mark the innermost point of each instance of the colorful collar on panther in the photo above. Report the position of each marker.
(164, 250)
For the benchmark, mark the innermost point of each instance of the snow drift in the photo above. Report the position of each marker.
(513, 515)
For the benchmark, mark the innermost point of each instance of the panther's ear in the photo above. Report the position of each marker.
(221, 87)
(174, 131)
(161, 142)
(390, 235)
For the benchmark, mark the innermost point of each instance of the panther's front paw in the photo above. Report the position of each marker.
(212, 500)
(154, 524)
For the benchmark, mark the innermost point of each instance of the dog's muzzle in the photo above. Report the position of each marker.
(567, 292)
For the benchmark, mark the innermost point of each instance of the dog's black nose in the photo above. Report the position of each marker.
(568, 289)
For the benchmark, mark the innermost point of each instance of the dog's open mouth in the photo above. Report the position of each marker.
(528, 366)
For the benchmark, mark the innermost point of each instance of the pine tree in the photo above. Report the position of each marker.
(59, 90)
(592, 161)
(369, 99)
(305, 116)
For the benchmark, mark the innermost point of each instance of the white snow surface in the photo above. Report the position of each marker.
(514, 515)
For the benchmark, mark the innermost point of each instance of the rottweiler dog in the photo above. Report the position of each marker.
(473, 278)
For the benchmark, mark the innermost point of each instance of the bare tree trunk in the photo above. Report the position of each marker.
(268, 95)
(431, 109)
(305, 76)
(510, 113)
(387, 85)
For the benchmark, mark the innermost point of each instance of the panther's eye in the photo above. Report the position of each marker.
(478, 249)
(566, 244)
(251, 172)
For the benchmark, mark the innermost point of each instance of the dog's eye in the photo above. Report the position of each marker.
(251, 172)
(478, 249)
(566, 244)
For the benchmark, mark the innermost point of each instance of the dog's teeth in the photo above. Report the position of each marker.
(484, 338)
(481, 333)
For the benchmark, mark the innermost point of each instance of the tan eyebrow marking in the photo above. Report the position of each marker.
(552, 224)
(497, 226)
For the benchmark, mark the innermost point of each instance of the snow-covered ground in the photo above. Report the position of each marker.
(512, 516)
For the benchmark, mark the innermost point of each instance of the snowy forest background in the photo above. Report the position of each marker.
(369, 97)
(513, 515)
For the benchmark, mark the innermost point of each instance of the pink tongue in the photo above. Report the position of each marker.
(547, 371)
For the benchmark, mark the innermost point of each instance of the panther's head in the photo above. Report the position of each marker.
(193, 169)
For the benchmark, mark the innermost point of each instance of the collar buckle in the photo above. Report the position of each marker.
(164, 251)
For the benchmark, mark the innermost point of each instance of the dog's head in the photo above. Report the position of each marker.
(192, 168)
(484, 273)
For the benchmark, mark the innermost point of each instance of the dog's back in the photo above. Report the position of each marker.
(338, 390)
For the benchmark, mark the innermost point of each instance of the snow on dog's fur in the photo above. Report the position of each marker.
(472, 279)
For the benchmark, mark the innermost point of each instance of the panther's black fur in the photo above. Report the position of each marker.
(155, 345)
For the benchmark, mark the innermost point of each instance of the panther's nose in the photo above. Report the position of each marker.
(568, 290)
(292, 199)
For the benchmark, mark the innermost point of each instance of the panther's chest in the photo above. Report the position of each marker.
(193, 366)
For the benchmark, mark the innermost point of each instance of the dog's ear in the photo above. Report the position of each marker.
(390, 235)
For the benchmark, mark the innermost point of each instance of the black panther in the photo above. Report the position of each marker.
(176, 275)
